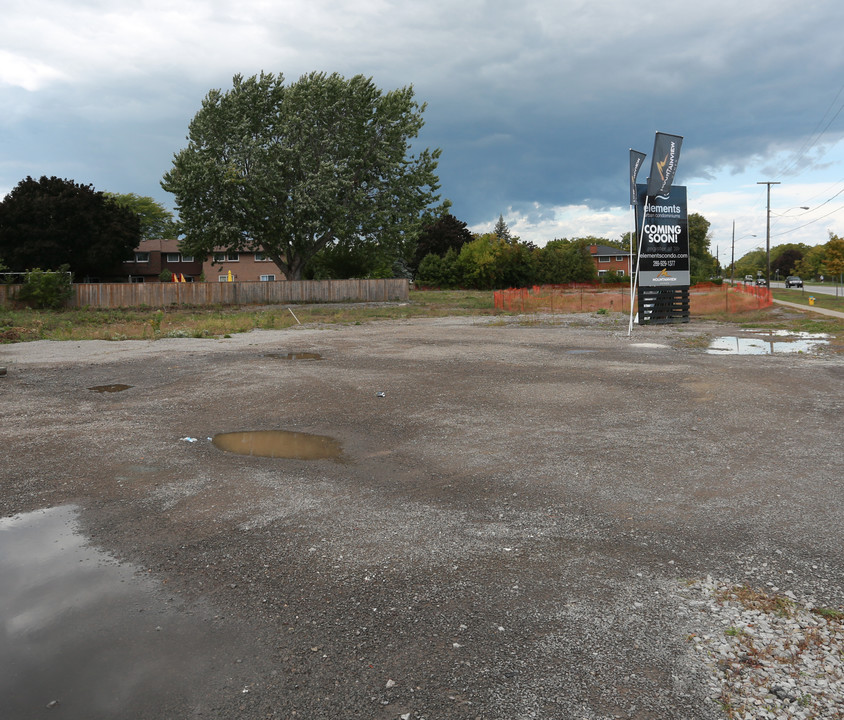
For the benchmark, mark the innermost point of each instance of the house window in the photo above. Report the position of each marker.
(261, 257)
(222, 278)
(187, 258)
(173, 257)
(603, 259)
(226, 257)
(142, 257)
(620, 258)
(136, 278)
(267, 278)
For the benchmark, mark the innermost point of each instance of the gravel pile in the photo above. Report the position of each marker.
(772, 655)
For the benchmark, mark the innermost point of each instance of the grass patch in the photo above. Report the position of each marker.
(801, 297)
(155, 323)
(829, 614)
(216, 322)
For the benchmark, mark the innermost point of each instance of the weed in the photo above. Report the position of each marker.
(829, 614)
(155, 323)
(757, 600)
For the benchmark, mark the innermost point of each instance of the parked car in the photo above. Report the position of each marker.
(761, 282)
(748, 279)
(793, 281)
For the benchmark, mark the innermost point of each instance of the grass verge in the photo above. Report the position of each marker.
(154, 323)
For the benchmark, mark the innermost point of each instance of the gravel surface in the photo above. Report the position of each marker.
(529, 518)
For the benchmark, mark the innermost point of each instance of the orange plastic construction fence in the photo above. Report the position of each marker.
(704, 298)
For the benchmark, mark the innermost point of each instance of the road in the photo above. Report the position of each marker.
(817, 289)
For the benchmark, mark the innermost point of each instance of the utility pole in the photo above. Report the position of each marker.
(733, 254)
(768, 235)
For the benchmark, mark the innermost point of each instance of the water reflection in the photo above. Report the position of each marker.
(766, 344)
(84, 635)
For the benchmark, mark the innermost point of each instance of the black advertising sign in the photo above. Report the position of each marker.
(664, 258)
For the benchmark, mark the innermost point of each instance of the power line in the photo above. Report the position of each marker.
(815, 136)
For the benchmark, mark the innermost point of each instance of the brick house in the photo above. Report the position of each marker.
(610, 258)
(243, 266)
(154, 256)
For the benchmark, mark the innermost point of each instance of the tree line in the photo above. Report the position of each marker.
(322, 175)
(810, 262)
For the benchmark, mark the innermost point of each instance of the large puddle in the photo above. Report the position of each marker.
(83, 636)
(280, 444)
(769, 343)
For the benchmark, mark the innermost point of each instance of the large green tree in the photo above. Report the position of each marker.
(835, 256)
(438, 236)
(291, 169)
(702, 264)
(52, 222)
(156, 221)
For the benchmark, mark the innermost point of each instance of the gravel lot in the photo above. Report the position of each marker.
(519, 526)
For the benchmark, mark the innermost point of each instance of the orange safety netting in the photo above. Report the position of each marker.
(704, 298)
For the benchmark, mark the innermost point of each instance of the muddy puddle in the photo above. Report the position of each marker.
(295, 356)
(117, 387)
(769, 343)
(83, 636)
(279, 444)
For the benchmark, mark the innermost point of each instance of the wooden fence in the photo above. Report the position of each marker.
(121, 295)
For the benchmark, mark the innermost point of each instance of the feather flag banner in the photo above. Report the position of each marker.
(664, 163)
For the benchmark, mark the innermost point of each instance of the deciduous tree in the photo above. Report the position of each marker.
(438, 236)
(156, 221)
(51, 222)
(291, 169)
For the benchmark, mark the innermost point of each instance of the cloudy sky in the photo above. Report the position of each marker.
(535, 104)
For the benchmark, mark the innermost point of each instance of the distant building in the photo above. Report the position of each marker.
(243, 266)
(610, 258)
(152, 257)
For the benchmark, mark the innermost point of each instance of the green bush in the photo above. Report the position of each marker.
(46, 289)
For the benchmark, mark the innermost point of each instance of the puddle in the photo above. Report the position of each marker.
(295, 356)
(579, 352)
(82, 635)
(109, 388)
(766, 344)
(279, 444)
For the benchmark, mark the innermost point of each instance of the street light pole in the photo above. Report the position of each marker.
(768, 235)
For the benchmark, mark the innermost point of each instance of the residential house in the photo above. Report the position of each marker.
(610, 258)
(223, 266)
(152, 257)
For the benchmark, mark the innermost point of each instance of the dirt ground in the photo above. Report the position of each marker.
(505, 534)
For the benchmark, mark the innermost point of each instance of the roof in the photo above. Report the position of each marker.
(607, 250)
(160, 245)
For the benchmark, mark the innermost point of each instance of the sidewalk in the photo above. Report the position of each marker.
(811, 308)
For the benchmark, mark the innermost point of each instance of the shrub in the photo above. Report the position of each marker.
(46, 289)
